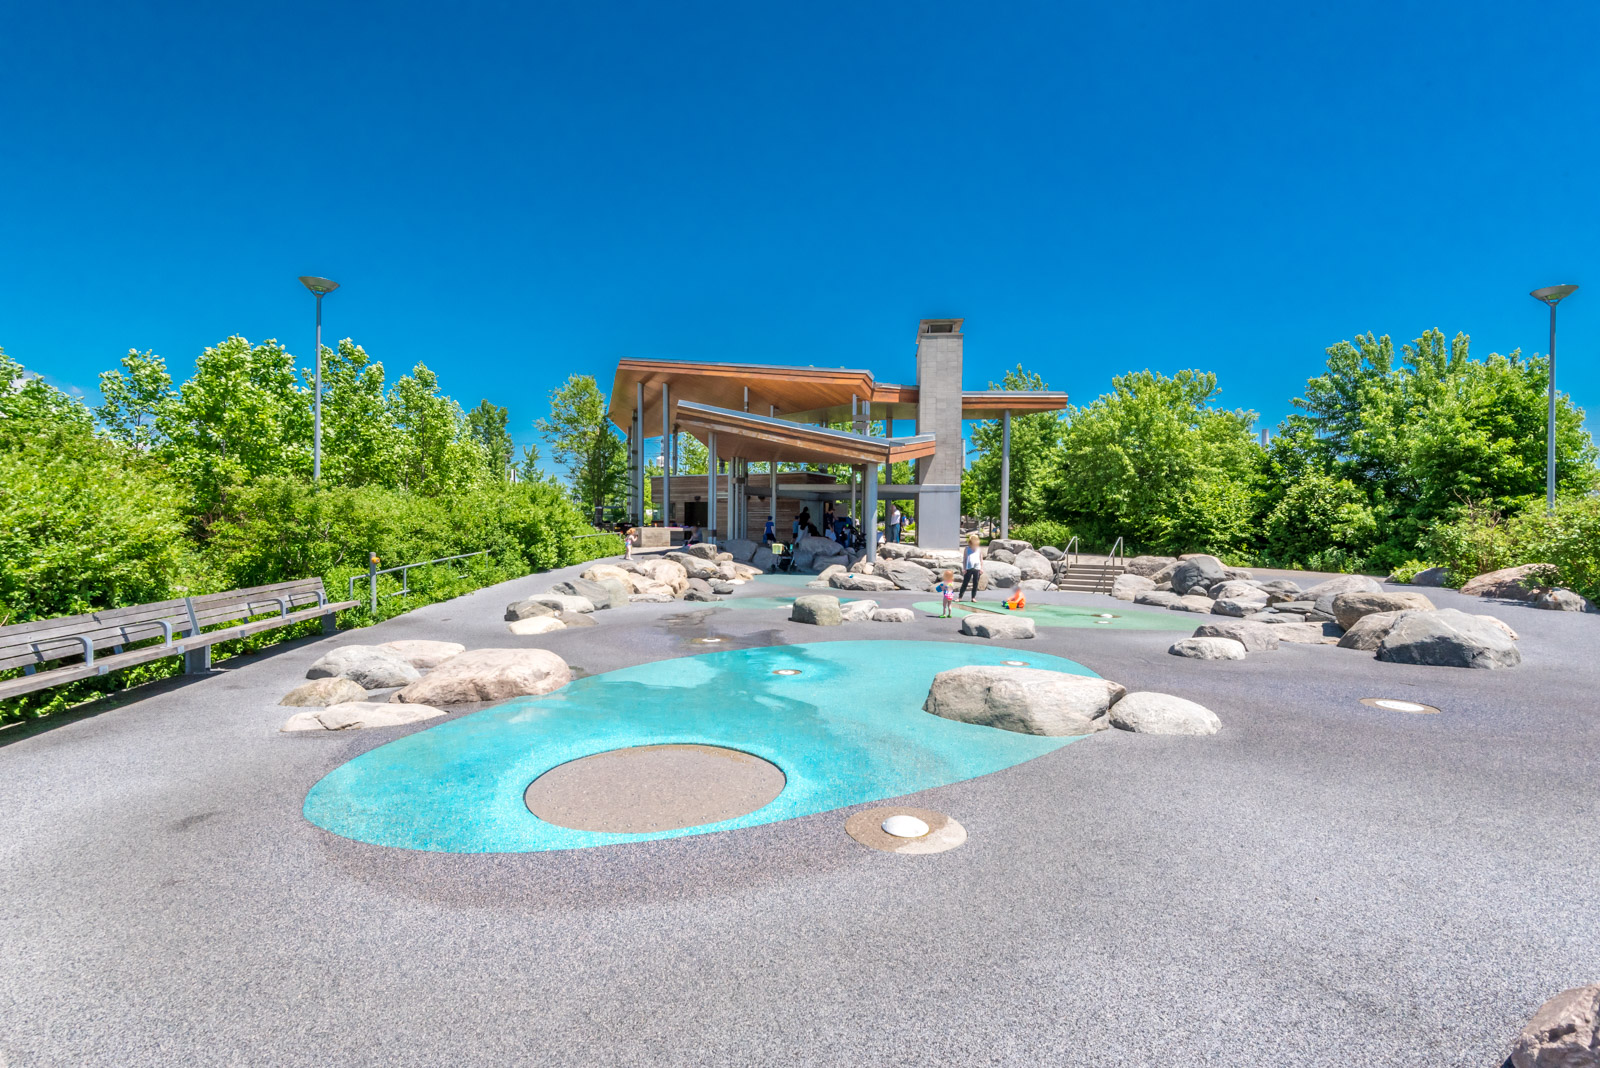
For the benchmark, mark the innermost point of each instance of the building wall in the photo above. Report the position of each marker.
(689, 497)
(939, 414)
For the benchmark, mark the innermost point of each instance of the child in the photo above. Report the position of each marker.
(948, 588)
(1016, 602)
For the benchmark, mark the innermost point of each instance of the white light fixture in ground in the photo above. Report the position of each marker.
(903, 826)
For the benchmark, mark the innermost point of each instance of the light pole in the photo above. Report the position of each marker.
(1551, 295)
(321, 287)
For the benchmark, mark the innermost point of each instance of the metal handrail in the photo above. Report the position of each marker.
(405, 578)
(1070, 549)
(1116, 554)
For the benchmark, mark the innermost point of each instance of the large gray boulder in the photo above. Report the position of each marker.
(1036, 584)
(1162, 713)
(1308, 633)
(831, 570)
(596, 593)
(488, 675)
(371, 667)
(1004, 556)
(988, 625)
(1193, 602)
(1430, 576)
(559, 603)
(1448, 638)
(816, 608)
(1564, 1033)
(1238, 609)
(1001, 575)
(320, 693)
(1558, 600)
(1148, 566)
(1349, 607)
(359, 715)
(1034, 565)
(1520, 583)
(1368, 632)
(762, 558)
(1158, 598)
(422, 654)
(1025, 700)
(1127, 587)
(617, 591)
(907, 576)
(703, 550)
(1050, 553)
(1322, 595)
(694, 565)
(846, 580)
(1237, 590)
(893, 615)
(1255, 637)
(741, 549)
(1208, 648)
(1197, 570)
(1288, 587)
(700, 590)
(857, 611)
(1011, 545)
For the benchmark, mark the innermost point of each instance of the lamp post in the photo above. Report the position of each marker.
(321, 287)
(1551, 295)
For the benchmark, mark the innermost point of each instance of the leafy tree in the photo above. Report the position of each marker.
(360, 443)
(583, 441)
(1035, 458)
(528, 465)
(33, 411)
(486, 424)
(1155, 462)
(435, 452)
(132, 398)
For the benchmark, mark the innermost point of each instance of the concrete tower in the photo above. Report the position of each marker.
(939, 414)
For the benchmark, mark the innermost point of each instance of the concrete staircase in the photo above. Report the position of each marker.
(1088, 574)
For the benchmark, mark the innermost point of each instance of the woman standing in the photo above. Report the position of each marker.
(971, 567)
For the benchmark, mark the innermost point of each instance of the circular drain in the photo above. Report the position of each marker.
(653, 788)
(1393, 704)
(787, 671)
(1015, 663)
(877, 828)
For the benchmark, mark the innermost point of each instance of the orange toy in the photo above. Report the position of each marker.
(1016, 602)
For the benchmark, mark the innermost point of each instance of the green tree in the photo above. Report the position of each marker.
(486, 424)
(1035, 457)
(435, 451)
(132, 397)
(33, 412)
(1153, 461)
(360, 443)
(583, 441)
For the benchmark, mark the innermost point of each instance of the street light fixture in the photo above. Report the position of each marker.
(1551, 295)
(321, 287)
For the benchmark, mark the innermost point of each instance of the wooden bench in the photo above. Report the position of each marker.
(83, 647)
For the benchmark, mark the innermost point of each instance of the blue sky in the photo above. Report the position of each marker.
(515, 192)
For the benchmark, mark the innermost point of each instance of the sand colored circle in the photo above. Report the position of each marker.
(653, 788)
(866, 827)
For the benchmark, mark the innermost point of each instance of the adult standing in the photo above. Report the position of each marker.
(895, 519)
(971, 567)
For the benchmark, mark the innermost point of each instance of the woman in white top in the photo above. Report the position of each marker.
(971, 567)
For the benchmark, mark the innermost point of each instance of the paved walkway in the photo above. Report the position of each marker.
(1323, 883)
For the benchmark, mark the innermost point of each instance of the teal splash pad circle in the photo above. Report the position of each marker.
(846, 729)
(1066, 615)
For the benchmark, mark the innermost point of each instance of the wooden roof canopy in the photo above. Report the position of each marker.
(803, 394)
(761, 438)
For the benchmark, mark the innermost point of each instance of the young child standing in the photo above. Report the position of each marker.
(948, 588)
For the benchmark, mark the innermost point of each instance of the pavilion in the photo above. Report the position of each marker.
(756, 413)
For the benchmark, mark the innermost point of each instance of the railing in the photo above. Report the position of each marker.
(1069, 552)
(405, 579)
(1114, 556)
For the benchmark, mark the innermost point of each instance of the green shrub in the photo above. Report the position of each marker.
(1481, 539)
(1407, 571)
(1043, 532)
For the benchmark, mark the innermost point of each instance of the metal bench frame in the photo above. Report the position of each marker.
(93, 644)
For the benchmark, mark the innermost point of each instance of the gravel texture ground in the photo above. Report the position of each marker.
(1322, 883)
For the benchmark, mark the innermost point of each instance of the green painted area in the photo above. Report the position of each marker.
(1064, 615)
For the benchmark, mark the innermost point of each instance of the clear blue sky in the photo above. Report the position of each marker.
(515, 192)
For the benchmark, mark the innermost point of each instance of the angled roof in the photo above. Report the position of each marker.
(761, 438)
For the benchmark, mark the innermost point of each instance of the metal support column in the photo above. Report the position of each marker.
(1005, 473)
(871, 528)
(711, 486)
(666, 459)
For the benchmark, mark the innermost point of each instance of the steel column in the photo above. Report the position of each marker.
(1005, 473)
(871, 525)
(711, 485)
(666, 459)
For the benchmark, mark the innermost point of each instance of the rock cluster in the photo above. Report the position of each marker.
(825, 611)
(1035, 701)
(1564, 1033)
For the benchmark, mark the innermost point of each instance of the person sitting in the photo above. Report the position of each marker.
(691, 534)
(1016, 602)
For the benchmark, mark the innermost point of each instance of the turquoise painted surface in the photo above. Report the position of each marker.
(848, 730)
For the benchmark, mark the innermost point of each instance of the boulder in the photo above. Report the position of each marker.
(1011, 545)
(1290, 594)
(1208, 648)
(1227, 606)
(832, 570)
(1308, 633)
(576, 619)
(1163, 578)
(423, 654)
(1193, 602)
(816, 608)
(1238, 574)
(1237, 590)
(1127, 587)
(1499, 624)
(488, 675)
(856, 611)
(1158, 598)
(1298, 608)
(531, 606)
(990, 625)
(618, 590)
(358, 715)
(1349, 607)
(699, 590)
(1323, 593)
(849, 581)
(597, 593)
(722, 557)
(1368, 632)
(1148, 566)
(537, 625)
(662, 596)
(1430, 576)
(1162, 713)
(1034, 565)
(1036, 584)
(727, 570)
(722, 588)
(703, 550)
(1001, 555)
(741, 549)
(1448, 638)
(693, 566)
(1001, 575)
(1255, 637)
(1197, 570)
(1285, 586)
(893, 615)
(1521, 583)
(320, 693)
(1559, 600)
(819, 546)
(369, 666)
(907, 576)
(1050, 553)
(1564, 1033)
(598, 572)
(1025, 700)
(762, 559)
